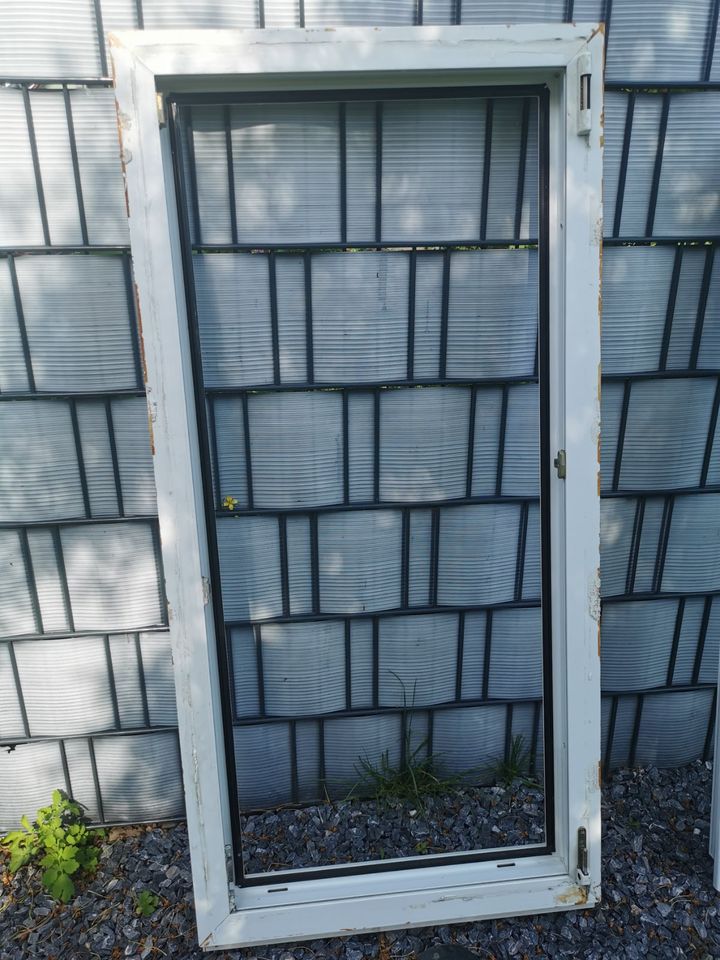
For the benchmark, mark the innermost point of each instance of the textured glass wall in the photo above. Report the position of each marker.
(85, 670)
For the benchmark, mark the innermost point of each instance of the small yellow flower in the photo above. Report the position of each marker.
(229, 503)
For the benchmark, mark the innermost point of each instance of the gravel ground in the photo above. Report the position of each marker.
(347, 831)
(658, 896)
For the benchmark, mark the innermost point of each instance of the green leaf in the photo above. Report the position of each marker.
(59, 885)
(19, 859)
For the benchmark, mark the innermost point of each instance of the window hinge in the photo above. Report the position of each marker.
(162, 116)
(584, 121)
(560, 464)
(583, 876)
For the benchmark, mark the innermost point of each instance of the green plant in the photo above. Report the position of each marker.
(146, 903)
(59, 840)
(415, 778)
(514, 766)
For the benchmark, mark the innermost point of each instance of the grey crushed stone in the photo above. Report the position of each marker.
(658, 899)
(350, 831)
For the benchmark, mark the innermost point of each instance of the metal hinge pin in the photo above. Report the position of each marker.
(582, 858)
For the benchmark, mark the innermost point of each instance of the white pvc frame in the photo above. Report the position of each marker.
(555, 54)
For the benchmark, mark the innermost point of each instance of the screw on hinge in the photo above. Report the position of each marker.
(560, 464)
(582, 858)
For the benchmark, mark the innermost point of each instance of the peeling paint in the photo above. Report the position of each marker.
(575, 896)
(594, 596)
(138, 315)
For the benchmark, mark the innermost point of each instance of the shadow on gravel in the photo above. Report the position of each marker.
(658, 899)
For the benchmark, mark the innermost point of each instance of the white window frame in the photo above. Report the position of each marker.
(555, 54)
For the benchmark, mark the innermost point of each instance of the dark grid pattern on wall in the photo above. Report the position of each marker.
(320, 433)
(661, 338)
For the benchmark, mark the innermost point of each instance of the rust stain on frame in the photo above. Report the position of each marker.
(573, 897)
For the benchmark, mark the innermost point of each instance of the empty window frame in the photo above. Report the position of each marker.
(559, 71)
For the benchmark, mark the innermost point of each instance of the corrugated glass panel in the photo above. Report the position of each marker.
(672, 727)
(374, 13)
(615, 109)
(666, 433)
(34, 770)
(159, 681)
(419, 559)
(641, 164)
(112, 576)
(16, 610)
(688, 202)
(287, 172)
(623, 731)
(685, 312)
(611, 407)
(20, 223)
(636, 286)
(360, 311)
(488, 404)
(636, 643)
(417, 660)
(233, 303)
(424, 443)
(669, 45)
(432, 160)
(516, 661)
(54, 153)
(188, 14)
(466, 575)
(296, 449)
(98, 147)
(519, 11)
(78, 326)
(39, 476)
(13, 372)
(299, 564)
(262, 764)
(303, 667)
(521, 463)
(690, 628)
(492, 313)
(44, 551)
(140, 776)
(290, 279)
(97, 458)
(469, 739)
(530, 588)
(128, 680)
(249, 567)
(282, 13)
(693, 554)
(11, 718)
(132, 440)
(359, 560)
(350, 741)
(66, 686)
(42, 39)
(616, 525)
(82, 779)
(709, 353)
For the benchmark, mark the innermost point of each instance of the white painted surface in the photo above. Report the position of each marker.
(372, 57)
